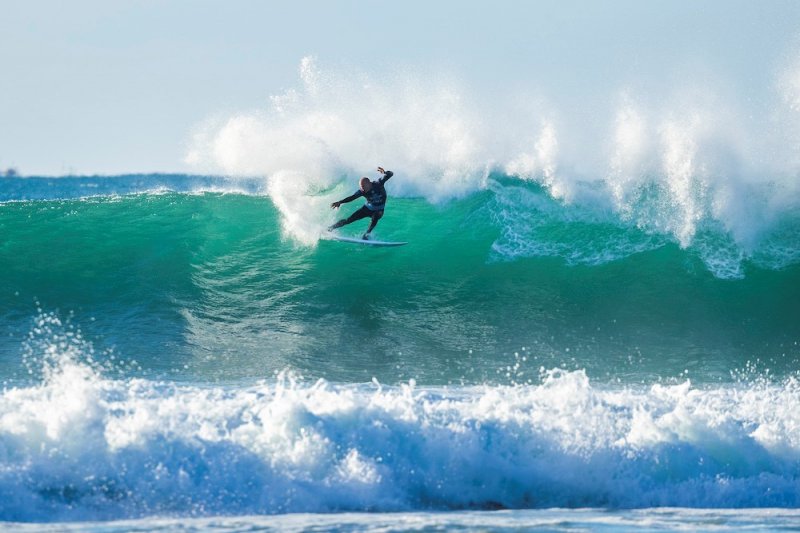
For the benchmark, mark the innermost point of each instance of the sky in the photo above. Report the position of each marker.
(111, 87)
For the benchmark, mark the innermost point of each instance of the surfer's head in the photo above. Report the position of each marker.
(365, 184)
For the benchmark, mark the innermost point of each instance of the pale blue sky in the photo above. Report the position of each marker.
(99, 86)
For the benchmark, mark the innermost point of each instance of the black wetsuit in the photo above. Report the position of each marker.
(376, 203)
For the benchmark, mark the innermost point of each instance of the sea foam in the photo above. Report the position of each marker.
(81, 445)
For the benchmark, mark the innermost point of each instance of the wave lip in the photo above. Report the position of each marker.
(80, 446)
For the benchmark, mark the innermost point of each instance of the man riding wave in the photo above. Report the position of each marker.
(375, 195)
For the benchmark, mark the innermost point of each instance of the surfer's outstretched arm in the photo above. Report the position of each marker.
(357, 194)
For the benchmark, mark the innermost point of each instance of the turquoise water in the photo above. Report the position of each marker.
(183, 346)
(207, 287)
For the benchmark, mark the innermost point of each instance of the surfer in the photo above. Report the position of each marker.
(374, 193)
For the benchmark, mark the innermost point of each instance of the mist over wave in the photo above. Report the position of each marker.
(694, 160)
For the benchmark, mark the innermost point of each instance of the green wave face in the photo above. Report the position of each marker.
(209, 286)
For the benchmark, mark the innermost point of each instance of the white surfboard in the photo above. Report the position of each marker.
(362, 241)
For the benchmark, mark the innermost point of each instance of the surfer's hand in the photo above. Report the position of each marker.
(380, 169)
(335, 205)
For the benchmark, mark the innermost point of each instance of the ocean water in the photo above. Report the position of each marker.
(595, 324)
(185, 352)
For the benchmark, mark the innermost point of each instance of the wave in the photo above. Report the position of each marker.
(532, 222)
(81, 445)
(695, 160)
(550, 519)
(210, 281)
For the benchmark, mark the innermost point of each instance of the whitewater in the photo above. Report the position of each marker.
(594, 324)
